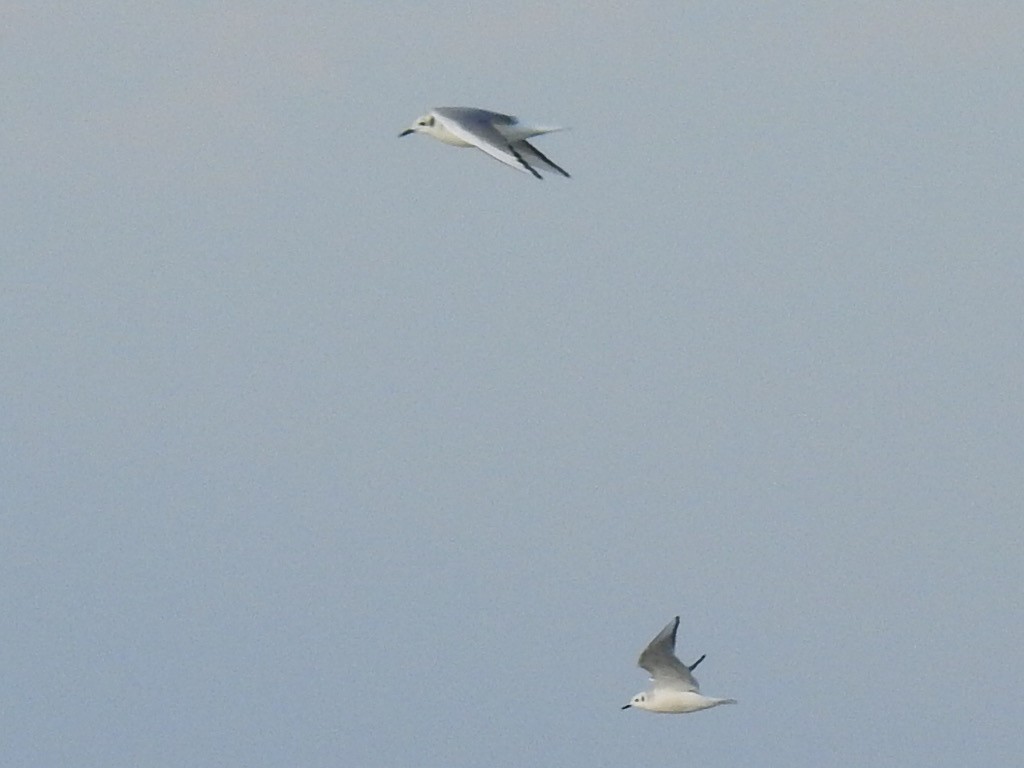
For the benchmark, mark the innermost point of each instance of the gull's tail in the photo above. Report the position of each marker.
(537, 130)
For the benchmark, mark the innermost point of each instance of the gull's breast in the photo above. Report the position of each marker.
(678, 701)
(443, 134)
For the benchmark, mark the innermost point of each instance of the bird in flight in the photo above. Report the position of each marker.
(675, 689)
(502, 137)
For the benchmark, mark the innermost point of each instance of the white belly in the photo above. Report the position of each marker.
(443, 134)
(680, 701)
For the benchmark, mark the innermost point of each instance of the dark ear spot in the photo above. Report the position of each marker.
(430, 121)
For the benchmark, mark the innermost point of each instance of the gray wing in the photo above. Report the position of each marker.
(471, 115)
(660, 660)
(476, 127)
(536, 157)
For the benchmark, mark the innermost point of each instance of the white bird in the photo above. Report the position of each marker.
(502, 137)
(675, 689)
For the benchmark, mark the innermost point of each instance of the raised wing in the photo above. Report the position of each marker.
(476, 127)
(660, 660)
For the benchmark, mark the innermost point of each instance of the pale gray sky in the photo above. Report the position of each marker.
(322, 448)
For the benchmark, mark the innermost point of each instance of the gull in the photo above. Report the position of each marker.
(502, 137)
(675, 689)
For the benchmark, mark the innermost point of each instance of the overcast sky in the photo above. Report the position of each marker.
(325, 448)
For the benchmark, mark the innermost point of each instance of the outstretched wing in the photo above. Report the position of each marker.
(536, 157)
(475, 127)
(660, 660)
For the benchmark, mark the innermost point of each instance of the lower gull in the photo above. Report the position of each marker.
(675, 689)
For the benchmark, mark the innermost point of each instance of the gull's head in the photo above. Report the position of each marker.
(424, 124)
(639, 701)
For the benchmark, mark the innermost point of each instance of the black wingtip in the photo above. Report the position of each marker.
(546, 159)
(698, 661)
(523, 162)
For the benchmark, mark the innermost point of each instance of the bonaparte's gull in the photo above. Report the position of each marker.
(675, 689)
(501, 136)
